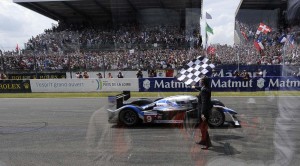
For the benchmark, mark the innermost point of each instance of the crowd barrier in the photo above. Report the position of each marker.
(218, 84)
(221, 71)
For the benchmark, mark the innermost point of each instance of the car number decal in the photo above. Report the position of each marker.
(148, 119)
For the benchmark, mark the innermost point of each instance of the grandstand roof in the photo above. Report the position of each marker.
(264, 4)
(102, 10)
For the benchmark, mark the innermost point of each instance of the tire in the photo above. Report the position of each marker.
(216, 118)
(129, 117)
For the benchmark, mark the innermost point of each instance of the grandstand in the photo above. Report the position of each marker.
(254, 11)
(112, 14)
(278, 14)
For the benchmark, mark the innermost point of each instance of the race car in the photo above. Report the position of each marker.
(172, 109)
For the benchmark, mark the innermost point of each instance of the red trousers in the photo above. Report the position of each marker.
(205, 139)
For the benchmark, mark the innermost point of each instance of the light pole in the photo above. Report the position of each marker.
(103, 65)
(35, 64)
(69, 65)
(283, 60)
(238, 59)
(2, 61)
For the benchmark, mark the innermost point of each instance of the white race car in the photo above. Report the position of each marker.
(172, 109)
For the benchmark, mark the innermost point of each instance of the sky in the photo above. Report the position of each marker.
(19, 24)
(222, 22)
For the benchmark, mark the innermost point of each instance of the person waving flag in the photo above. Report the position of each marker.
(263, 28)
(192, 72)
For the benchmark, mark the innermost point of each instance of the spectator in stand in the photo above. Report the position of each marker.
(110, 75)
(298, 74)
(79, 75)
(139, 74)
(245, 75)
(120, 75)
(236, 74)
(259, 73)
(85, 74)
(152, 73)
(3, 76)
(58, 49)
(99, 75)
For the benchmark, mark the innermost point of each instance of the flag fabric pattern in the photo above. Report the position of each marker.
(191, 73)
(282, 39)
(211, 50)
(258, 45)
(17, 48)
(245, 35)
(209, 29)
(290, 40)
(263, 28)
(208, 16)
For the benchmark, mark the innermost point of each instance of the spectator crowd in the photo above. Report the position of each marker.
(131, 47)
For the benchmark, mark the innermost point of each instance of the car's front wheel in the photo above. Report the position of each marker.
(129, 117)
(216, 118)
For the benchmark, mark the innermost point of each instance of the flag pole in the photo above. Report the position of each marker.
(206, 36)
(283, 60)
(206, 39)
(207, 29)
(238, 59)
(199, 32)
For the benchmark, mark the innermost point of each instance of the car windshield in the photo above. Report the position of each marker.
(142, 82)
(149, 106)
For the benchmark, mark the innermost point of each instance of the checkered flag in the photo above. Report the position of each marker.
(191, 73)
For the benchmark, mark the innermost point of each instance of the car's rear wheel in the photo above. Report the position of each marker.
(129, 117)
(216, 118)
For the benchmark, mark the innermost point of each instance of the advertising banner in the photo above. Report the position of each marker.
(21, 76)
(234, 84)
(118, 84)
(163, 85)
(266, 70)
(15, 86)
(84, 85)
(220, 84)
(255, 84)
(279, 83)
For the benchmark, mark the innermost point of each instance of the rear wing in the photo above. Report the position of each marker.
(120, 98)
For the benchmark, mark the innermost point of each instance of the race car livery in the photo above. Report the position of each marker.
(172, 109)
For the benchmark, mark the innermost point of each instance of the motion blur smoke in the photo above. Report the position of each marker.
(286, 130)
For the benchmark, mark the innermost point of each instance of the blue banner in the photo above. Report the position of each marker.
(222, 84)
(255, 84)
(253, 70)
(162, 85)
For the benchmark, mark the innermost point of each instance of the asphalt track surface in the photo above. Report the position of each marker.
(75, 131)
